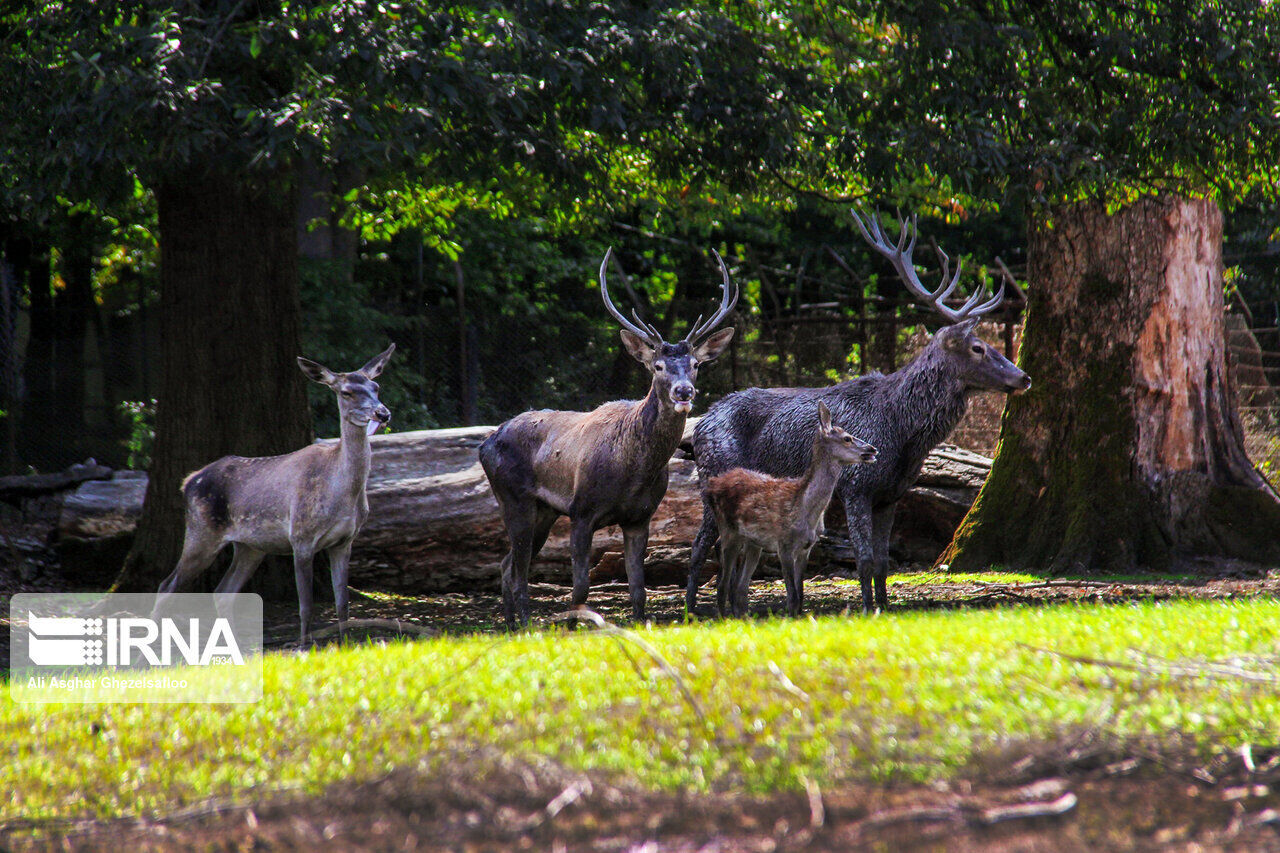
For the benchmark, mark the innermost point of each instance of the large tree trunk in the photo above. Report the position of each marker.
(73, 310)
(38, 429)
(1127, 452)
(229, 339)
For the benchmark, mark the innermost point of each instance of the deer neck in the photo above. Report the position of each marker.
(931, 399)
(354, 456)
(818, 483)
(656, 427)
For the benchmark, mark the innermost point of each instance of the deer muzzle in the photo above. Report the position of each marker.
(682, 396)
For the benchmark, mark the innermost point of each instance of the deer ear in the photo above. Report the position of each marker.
(375, 366)
(317, 372)
(824, 416)
(712, 347)
(954, 336)
(637, 346)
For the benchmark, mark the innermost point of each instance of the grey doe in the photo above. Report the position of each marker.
(756, 513)
(304, 502)
(905, 415)
(607, 466)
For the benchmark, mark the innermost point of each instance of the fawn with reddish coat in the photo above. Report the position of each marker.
(756, 513)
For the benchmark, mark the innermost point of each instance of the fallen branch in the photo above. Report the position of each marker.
(1024, 811)
(620, 634)
(1175, 669)
(69, 827)
(817, 810)
(571, 794)
(375, 625)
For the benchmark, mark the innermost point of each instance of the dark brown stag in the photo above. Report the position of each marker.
(604, 467)
(904, 414)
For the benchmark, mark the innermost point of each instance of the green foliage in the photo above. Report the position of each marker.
(919, 696)
(99, 92)
(1044, 101)
(140, 424)
(343, 326)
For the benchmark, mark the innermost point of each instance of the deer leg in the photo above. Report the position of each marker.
(750, 559)
(634, 542)
(339, 572)
(881, 525)
(515, 566)
(702, 545)
(303, 561)
(198, 550)
(858, 512)
(580, 532)
(795, 596)
(730, 548)
(508, 592)
(244, 563)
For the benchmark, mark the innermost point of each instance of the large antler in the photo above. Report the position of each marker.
(699, 329)
(899, 254)
(639, 327)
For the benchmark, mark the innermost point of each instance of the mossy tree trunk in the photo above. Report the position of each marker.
(229, 320)
(1127, 452)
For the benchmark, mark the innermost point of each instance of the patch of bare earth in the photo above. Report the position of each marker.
(490, 804)
(929, 590)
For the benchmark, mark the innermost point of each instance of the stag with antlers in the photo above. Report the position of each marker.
(905, 415)
(607, 466)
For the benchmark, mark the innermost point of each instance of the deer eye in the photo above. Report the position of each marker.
(659, 366)
(977, 348)
(347, 393)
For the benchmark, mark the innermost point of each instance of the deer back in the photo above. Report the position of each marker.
(754, 505)
(612, 455)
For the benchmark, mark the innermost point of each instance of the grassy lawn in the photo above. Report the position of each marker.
(908, 696)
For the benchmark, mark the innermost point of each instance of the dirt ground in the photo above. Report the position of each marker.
(927, 590)
(488, 804)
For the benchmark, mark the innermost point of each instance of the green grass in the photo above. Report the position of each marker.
(996, 576)
(921, 578)
(910, 696)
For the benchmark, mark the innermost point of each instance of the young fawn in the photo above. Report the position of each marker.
(758, 513)
(304, 502)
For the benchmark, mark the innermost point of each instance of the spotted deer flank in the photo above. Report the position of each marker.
(782, 515)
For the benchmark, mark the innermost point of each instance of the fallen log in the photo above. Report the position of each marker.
(434, 525)
(14, 489)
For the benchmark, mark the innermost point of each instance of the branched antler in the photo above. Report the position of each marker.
(899, 255)
(729, 299)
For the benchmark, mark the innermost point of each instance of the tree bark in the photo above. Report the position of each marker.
(229, 322)
(1127, 452)
(73, 310)
(37, 410)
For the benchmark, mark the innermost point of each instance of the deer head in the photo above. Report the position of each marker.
(838, 444)
(977, 364)
(674, 367)
(357, 393)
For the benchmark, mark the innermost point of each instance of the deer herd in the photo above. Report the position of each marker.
(769, 462)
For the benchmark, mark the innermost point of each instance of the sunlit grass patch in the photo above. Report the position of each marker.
(938, 577)
(907, 696)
